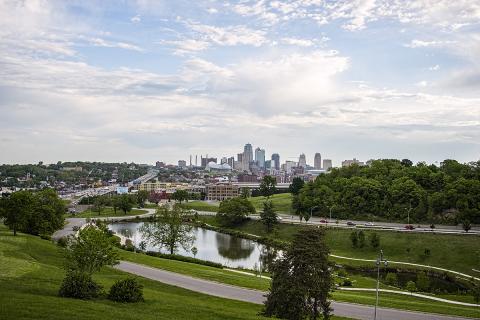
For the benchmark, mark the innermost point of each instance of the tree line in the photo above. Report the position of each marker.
(394, 190)
(37, 213)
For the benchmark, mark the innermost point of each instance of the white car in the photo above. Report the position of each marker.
(369, 224)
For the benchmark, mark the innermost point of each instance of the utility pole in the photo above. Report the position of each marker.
(379, 261)
(311, 210)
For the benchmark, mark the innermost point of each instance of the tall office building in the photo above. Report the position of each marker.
(223, 160)
(247, 156)
(260, 157)
(317, 162)
(302, 161)
(327, 164)
(275, 161)
(231, 162)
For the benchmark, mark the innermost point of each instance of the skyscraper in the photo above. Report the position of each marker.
(275, 161)
(327, 164)
(247, 156)
(260, 157)
(302, 161)
(317, 162)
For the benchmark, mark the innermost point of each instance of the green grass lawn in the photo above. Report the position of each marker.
(455, 252)
(201, 206)
(107, 212)
(282, 202)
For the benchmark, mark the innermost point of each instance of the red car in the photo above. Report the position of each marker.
(323, 221)
(409, 227)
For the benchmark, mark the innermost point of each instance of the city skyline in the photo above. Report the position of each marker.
(143, 80)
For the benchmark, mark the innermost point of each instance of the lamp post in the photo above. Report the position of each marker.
(330, 208)
(378, 263)
(311, 210)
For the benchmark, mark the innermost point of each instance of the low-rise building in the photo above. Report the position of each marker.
(221, 191)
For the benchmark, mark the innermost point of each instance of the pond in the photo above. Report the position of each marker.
(212, 246)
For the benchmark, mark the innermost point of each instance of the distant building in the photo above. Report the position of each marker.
(268, 164)
(212, 166)
(224, 160)
(182, 163)
(289, 165)
(247, 156)
(327, 164)
(243, 177)
(160, 164)
(275, 161)
(347, 163)
(206, 160)
(317, 162)
(260, 158)
(78, 169)
(221, 191)
(231, 162)
(302, 161)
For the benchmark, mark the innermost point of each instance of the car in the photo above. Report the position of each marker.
(350, 223)
(369, 224)
(323, 221)
(409, 227)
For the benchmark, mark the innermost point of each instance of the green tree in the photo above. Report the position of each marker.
(180, 195)
(411, 287)
(245, 193)
(234, 211)
(90, 251)
(361, 239)
(391, 279)
(296, 185)
(374, 240)
(268, 216)
(98, 205)
(169, 232)
(125, 203)
(354, 239)
(268, 186)
(466, 225)
(16, 209)
(423, 283)
(115, 202)
(301, 279)
(142, 196)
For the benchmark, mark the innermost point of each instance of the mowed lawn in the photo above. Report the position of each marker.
(455, 252)
(201, 206)
(282, 202)
(31, 274)
(107, 212)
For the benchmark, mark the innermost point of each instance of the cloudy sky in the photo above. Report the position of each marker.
(160, 80)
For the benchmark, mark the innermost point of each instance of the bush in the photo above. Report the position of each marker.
(347, 283)
(62, 242)
(127, 290)
(184, 259)
(391, 279)
(79, 285)
(45, 237)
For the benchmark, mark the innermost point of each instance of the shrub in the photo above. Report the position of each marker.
(62, 242)
(391, 279)
(45, 237)
(374, 240)
(347, 283)
(184, 259)
(127, 290)
(342, 273)
(79, 285)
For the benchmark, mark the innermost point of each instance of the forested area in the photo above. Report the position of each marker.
(393, 190)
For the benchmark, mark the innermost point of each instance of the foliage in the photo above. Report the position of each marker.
(391, 279)
(142, 196)
(90, 251)
(169, 232)
(354, 239)
(466, 225)
(180, 195)
(301, 279)
(361, 239)
(127, 290)
(79, 285)
(423, 283)
(268, 216)
(125, 203)
(245, 193)
(393, 189)
(296, 185)
(98, 205)
(33, 212)
(184, 259)
(411, 286)
(268, 186)
(233, 211)
(374, 240)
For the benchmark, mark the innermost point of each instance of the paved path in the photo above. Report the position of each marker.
(350, 310)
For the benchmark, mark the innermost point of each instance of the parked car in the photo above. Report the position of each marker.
(409, 227)
(350, 223)
(369, 224)
(323, 221)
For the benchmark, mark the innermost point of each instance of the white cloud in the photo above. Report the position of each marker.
(229, 36)
(434, 68)
(423, 44)
(212, 10)
(136, 19)
(99, 42)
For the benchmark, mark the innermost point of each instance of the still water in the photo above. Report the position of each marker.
(211, 245)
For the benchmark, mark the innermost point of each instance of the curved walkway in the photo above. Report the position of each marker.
(411, 264)
(356, 311)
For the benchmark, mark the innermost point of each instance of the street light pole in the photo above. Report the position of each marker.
(311, 210)
(378, 262)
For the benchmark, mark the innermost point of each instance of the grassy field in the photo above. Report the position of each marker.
(31, 273)
(456, 252)
(282, 202)
(200, 206)
(107, 212)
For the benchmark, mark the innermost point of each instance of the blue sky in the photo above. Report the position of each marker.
(160, 80)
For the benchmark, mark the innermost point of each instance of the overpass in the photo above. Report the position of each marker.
(256, 185)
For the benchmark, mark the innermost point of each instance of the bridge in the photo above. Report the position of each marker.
(256, 185)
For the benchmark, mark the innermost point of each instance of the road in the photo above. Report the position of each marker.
(355, 311)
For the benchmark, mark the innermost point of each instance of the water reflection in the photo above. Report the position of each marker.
(212, 246)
